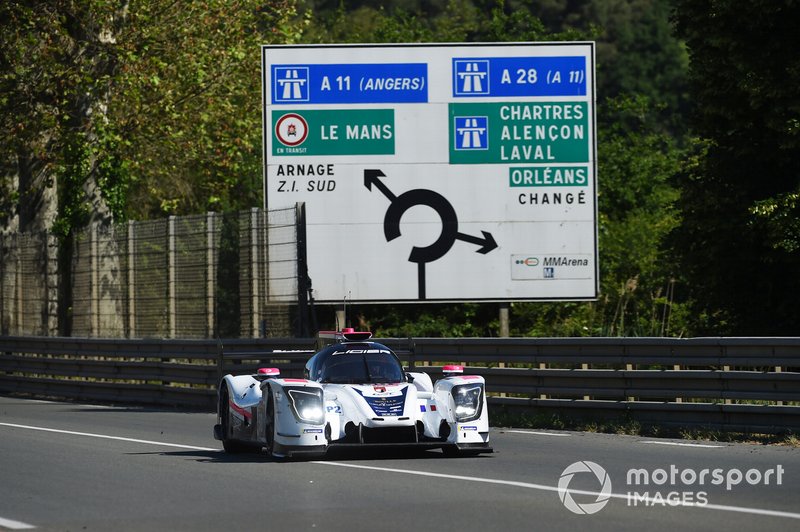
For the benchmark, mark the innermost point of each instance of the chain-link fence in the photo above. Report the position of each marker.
(28, 284)
(200, 276)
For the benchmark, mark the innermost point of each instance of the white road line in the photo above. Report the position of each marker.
(106, 437)
(542, 487)
(14, 525)
(679, 444)
(536, 433)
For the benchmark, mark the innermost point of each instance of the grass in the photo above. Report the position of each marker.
(631, 427)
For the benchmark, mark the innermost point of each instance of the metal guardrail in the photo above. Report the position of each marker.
(744, 384)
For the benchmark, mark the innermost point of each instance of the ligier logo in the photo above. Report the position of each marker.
(565, 494)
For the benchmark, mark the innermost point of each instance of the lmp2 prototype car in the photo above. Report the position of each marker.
(355, 393)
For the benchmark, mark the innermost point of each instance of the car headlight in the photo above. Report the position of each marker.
(307, 405)
(468, 399)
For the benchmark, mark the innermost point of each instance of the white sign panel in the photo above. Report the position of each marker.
(437, 172)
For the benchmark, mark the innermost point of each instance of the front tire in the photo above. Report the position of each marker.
(269, 424)
(230, 445)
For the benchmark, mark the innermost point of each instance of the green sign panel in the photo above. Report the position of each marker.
(521, 132)
(548, 176)
(333, 132)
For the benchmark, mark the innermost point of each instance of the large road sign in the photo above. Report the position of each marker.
(437, 172)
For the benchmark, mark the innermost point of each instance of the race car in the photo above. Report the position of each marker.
(355, 393)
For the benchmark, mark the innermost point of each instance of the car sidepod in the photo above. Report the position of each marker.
(286, 416)
(237, 400)
(292, 415)
(461, 413)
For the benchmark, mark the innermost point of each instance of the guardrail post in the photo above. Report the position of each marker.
(723, 353)
(542, 365)
(677, 367)
(628, 367)
(778, 369)
(586, 367)
(727, 368)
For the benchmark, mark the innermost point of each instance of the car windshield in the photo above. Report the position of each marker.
(360, 368)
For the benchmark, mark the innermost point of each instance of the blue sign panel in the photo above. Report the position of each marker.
(493, 77)
(350, 83)
(471, 133)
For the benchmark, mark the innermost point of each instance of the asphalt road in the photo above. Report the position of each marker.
(70, 467)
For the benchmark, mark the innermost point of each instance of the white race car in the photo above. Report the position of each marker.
(355, 393)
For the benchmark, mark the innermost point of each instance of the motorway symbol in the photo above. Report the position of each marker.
(400, 204)
(470, 77)
(471, 133)
(291, 84)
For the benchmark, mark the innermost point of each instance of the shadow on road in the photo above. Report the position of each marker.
(338, 455)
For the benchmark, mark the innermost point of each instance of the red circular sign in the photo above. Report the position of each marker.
(291, 129)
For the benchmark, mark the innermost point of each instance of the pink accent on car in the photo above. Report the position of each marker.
(240, 410)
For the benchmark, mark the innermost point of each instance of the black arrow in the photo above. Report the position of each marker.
(371, 178)
(487, 243)
(400, 204)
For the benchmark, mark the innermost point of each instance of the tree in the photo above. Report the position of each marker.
(115, 108)
(737, 241)
(57, 64)
(192, 100)
(637, 53)
(132, 108)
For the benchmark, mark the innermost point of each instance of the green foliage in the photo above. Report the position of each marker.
(450, 21)
(192, 80)
(152, 105)
(636, 214)
(737, 244)
(56, 63)
(781, 220)
(436, 320)
(637, 52)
